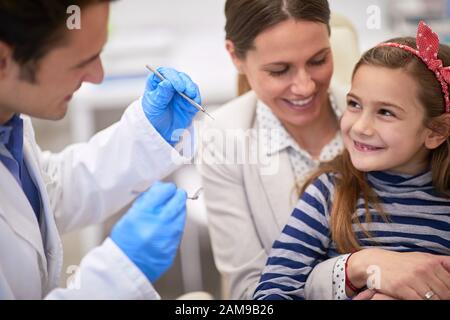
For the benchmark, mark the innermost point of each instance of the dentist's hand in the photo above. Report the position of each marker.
(150, 232)
(166, 110)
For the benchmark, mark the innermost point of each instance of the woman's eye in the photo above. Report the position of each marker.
(277, 73)
(318, 62)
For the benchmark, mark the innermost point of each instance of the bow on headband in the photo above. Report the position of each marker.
(427, 50)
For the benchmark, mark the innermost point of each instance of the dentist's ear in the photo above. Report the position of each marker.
(5, 59)
(229, 45)
(438, 132)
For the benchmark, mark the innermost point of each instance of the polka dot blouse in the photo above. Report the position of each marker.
(277, 139)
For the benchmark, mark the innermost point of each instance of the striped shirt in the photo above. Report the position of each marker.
(419, 220)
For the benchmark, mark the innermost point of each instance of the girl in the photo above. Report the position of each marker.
(393, 176)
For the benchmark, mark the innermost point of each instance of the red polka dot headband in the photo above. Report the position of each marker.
(427, 50)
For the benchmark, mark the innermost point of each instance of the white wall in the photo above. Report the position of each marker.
(189, 35)
(181, 15)
(357, 12)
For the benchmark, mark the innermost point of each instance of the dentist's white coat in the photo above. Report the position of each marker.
(84, 184)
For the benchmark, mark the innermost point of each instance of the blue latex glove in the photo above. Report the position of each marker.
(150, 232)
(166, 110)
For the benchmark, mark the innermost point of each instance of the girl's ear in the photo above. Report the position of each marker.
(5, 59)
(229, 45)
(439, 132)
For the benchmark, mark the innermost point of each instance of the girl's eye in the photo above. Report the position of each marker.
(278, 73)
(386, 113)
(353, 104)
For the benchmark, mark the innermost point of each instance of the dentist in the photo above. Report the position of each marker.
(42, 63)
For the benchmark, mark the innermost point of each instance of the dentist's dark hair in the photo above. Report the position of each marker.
(246, 19)
(33, 27)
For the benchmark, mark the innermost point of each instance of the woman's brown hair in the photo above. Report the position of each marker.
(246, 19)
(351, 183)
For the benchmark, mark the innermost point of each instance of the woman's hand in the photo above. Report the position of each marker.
(409, 275)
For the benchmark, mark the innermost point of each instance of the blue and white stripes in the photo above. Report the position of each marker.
(419, 220)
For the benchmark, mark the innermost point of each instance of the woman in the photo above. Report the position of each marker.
(289, 120)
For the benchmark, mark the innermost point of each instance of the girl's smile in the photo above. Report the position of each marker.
(362, 147)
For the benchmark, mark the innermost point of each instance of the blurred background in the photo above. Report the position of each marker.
(189, 35)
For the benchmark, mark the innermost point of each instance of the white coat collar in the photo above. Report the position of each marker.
(18, 213)
(49, 232)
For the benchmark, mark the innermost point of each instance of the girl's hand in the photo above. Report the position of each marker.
(408, 275)
(370, 294)
(380, 296)
(365, 295)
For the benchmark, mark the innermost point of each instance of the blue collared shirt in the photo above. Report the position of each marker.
(11, 155)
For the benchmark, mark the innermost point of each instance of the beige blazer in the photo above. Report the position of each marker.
(248, 202)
